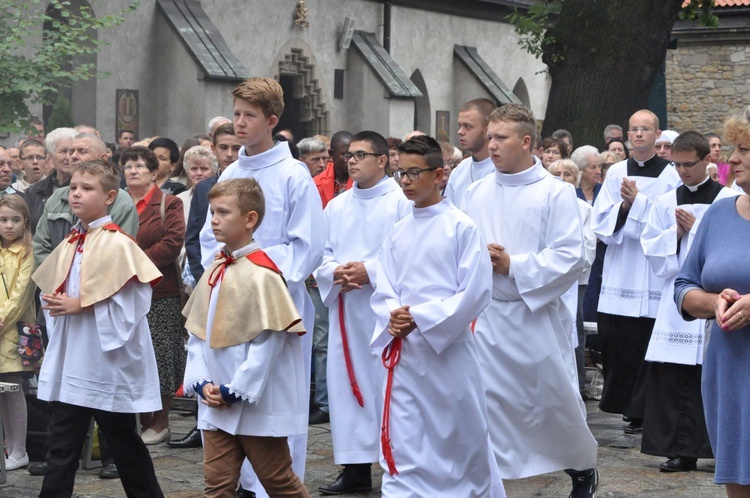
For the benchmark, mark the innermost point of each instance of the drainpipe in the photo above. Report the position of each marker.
(387, 26)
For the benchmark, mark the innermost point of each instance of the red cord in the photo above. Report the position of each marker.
(391, 357)
(347, 354)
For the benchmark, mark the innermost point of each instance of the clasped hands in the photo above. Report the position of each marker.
(351, 276)
(685, 221)
(628, 192)
(60, 303)
(401, 323)
(500, 259)
(732, 310)
(212, 397)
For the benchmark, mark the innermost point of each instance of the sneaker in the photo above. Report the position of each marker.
(13, 464)
(585, 484)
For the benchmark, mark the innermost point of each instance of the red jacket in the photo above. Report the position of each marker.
(326, 184)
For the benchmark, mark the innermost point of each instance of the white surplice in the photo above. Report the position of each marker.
(105, 359)
(629, 287)
(292, 235)
(435, 262)
(673, 339)
(537, 418)
(467, 172)
(267, 373)
(357, 223)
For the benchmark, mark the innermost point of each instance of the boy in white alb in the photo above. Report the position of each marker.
(97, 311)
(245, 356)
(293, 233)
(433, 278)
(357, 223)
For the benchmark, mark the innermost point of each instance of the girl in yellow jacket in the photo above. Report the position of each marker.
(16, 305)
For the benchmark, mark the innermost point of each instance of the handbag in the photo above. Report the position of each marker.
(30, 346)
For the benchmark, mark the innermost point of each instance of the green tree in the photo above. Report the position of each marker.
(36, 63)
(602, 56)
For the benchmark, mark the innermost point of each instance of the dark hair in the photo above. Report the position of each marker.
(339, 138)
(424, 145)
(376, 141)
(554, 142)
(483, 106)
(393, 143)
(169, 144)
(126, 131)
(30, 142)
(691, 141)
(561, 133)
(624, 145)
(112, 147)
(138, 152)
(225, 129)
(711, 135)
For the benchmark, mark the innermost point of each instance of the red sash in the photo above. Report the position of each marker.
(347, 354)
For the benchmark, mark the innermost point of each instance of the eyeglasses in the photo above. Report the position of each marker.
(688, 164)
(450, 164)
(32, 158)
(134, 166)
(411, 173)
(642, 129)
(360, 155)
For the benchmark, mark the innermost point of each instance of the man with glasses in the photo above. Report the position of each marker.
(33, 157)
(631, 291)
(472, 135)
(357, 223)
(673, 423)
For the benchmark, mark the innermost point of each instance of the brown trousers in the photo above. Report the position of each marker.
(269, 456)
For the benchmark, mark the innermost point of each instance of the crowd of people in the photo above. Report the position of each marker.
(435, 296)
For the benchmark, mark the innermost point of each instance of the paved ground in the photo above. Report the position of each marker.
(625, 472)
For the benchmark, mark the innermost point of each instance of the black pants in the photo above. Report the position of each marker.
(68, 426)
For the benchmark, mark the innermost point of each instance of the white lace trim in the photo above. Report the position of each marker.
(244, 396)
(188, 389)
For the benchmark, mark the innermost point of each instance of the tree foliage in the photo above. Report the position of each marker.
(35, 62)
(602, 56)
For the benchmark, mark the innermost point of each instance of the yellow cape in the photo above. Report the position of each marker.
(252, 299)
(110, 259)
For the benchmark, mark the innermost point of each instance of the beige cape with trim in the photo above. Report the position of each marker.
(252, 299)
(110, 259)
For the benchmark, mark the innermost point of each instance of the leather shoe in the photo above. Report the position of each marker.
(319, 417)
(192, 440)
(679, 464)
(353, 479)
(245, 493)
(634, 427)
(109, 471)
(38, 469)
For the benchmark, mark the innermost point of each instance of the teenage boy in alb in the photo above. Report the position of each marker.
(293, 231)
(472, 135)
(530, 222)
(433, 278)
(357, 223)
(673, 424)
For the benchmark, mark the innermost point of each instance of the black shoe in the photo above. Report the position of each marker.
(679, 464)
(109, 471)
(38, 469)
(192, 440)
(353, 479)
(319, 417)
(585, 483)
(634, 427)
(245, 493)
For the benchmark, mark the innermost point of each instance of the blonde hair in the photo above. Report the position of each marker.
(18, 204)
(569, 165)
(108, 176)
(247, 193)
(265, 93)
(609, 157)
(519, 114)
(737, 128)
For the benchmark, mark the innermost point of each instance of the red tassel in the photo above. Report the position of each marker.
(391, 357)
(347, 355)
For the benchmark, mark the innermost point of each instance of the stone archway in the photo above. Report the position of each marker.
(306, 112)
(522, 92)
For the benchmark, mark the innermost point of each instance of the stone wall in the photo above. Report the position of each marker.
(705, 84)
